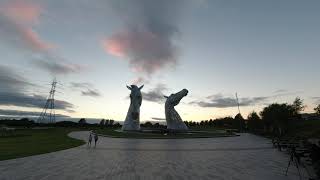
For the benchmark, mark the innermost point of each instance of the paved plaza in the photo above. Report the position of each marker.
(247, 157)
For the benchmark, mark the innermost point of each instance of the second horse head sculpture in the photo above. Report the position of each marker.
(132, 121)
(174, 121)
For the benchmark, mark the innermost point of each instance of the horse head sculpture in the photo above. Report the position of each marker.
(174, 121)
(132, 121)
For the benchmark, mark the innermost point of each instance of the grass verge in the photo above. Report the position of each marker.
(27, 142)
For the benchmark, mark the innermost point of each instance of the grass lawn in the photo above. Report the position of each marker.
(29, 142)
(205, 133)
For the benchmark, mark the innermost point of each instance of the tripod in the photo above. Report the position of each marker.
(295, 159)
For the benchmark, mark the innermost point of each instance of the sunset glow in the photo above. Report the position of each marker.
(212, 49)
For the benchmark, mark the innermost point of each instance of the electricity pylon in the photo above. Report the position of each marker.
(240, 123)
(48, 113)
(238, 102)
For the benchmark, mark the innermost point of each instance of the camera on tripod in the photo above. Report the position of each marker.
(294, 158)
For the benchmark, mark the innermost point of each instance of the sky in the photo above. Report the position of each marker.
(266, 51)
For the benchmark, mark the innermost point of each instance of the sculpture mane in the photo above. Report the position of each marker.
(132, 121)
(174, 121)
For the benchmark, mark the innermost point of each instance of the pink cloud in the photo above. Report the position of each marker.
(18, 18)
(22, 11)
(33, 39)
(113, 47)
(147, 52)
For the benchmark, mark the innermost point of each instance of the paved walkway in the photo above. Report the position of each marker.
(246, 157)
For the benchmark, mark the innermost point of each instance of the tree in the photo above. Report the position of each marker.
(24, 119)
(201, 123)
(210, 122)
(298, 106)
(226, 122)
(253, 116)
(239, 121)
(276, 117)
(107, 122)
(156, 125)
(102, 122)
(147, 124)
(82, 121)
(111, 122)
(117, 125)
(317, 109)
(254, 121)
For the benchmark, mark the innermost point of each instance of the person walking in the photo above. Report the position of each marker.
(95, 139)
(90, 139)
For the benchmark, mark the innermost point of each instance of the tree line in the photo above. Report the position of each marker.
(274, 119)
(28, 123)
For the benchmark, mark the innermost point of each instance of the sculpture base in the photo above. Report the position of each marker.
(177, 126)
(163, 133)
(163, 130)
(130, 126)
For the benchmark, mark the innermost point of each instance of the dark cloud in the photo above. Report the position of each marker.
(280, 91)
(55, 66)
(11, 81)
(80, 85)
(155, 94)
(158, 119)
(86, 89)
(316, 99)
(90, 92)
(220, 101)
(25, 100)
(148, 39)
(284, 92)
(13, 92)
(17, 113)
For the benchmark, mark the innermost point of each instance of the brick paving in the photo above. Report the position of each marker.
(246, 157)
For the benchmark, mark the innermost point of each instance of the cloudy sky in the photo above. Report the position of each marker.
(266, 51)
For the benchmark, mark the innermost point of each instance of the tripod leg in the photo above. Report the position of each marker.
(297, 165)
(288, 166)
(307, 171)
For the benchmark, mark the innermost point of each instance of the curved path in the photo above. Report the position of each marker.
(243, 157)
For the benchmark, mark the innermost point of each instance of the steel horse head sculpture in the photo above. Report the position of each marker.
(174, 121)
(132, 122)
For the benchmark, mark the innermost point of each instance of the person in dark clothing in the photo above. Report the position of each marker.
(95, 139)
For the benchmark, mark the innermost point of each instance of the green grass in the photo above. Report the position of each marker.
(206, 133)
(29, 142)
